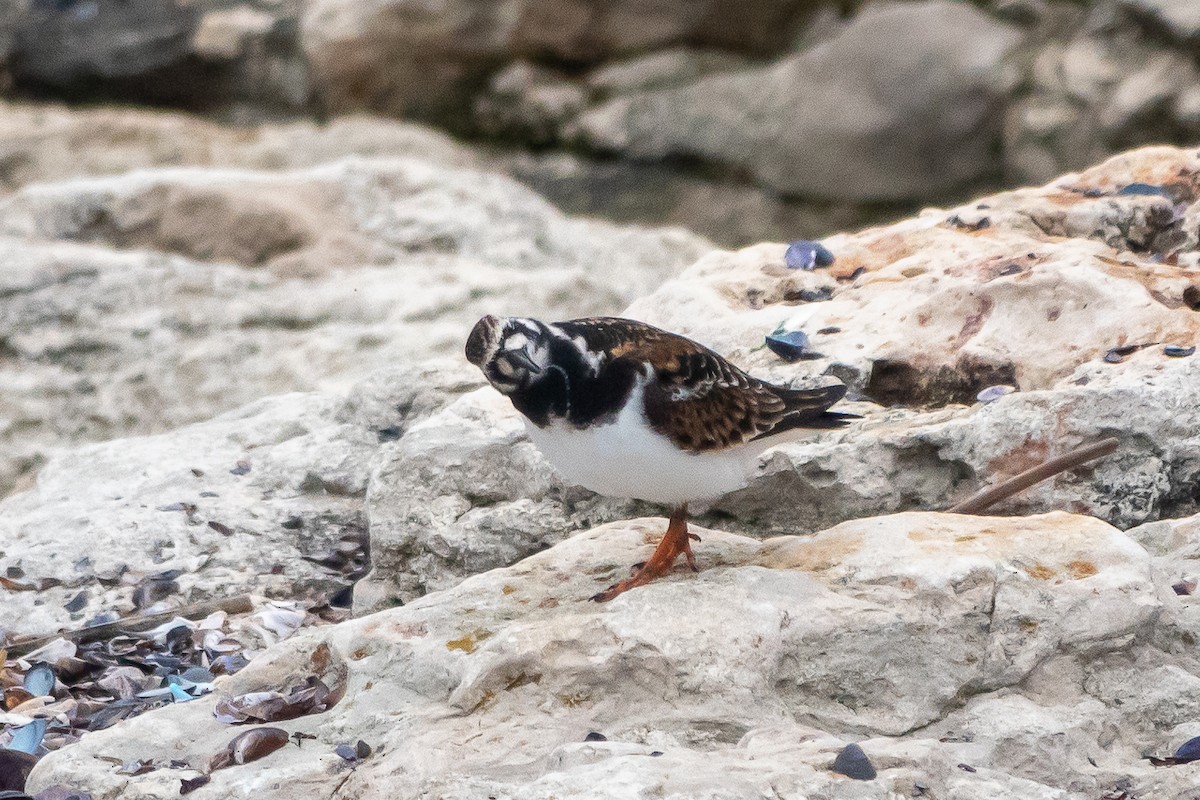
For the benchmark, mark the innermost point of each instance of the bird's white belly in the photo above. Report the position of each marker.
(626, 458)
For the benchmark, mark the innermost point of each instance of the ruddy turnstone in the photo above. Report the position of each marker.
(625, 409)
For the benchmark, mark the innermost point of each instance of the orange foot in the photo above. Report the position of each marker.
(675, 541)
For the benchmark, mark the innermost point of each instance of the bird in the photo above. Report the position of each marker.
(626, 409)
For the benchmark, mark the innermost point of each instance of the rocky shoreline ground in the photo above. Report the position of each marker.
(220, 368)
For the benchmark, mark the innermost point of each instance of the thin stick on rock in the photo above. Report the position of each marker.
(230, 605)
(987, 498)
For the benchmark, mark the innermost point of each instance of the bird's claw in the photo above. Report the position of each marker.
(677, 540)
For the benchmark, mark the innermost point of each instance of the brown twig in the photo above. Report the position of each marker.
(230, 605)
(1047, 469)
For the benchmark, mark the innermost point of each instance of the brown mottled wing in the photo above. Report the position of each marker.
(617, 336)
(700, 400)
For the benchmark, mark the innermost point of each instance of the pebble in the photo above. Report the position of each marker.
(1175, 351)
(993, 393)
(1118, 354)
(249, 746)
(1144, 189)
(189, 785)
(807, 255)
(77, 602)
(28, 738)
(853, 763)
(353, 752)
(1188, 752)
(819, 295)
(976, 225)
(791, 346)
(39, 681)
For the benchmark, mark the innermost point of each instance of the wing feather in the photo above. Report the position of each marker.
(696, 397)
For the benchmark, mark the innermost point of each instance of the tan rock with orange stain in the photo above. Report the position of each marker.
(933, 548)
(1033, 300)
(928, 311)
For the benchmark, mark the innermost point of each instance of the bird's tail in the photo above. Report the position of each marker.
(809, 408)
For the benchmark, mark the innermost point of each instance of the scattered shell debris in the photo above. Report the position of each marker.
(791, 346)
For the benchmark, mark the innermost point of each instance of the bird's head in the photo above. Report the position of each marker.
(512, 352)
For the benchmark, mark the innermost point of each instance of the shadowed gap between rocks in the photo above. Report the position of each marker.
(810, 499)
(900, 383)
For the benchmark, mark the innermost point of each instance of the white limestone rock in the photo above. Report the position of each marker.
(137, 303)
(234, 504)
(1030, 288)
(971, 657)
(746, 679)
(462, 492)
(942, 308)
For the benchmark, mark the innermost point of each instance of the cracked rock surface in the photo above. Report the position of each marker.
(917, 318)
(1035, 656)
(126, 302)
(233, 504)
(972, 656)
(1034, 289)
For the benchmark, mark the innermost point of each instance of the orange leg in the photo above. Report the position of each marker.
(675, 541)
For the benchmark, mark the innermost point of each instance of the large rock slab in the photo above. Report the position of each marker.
(44, 142)
(744, 680)
(897, 105)
(225, 507)
(850, 102)
(1030, 288)
(1047, 654)
(842, 106)
(435, 61)
(50, 143)
(137, 303)
(1033, 289)
(207, 54)
(464, 491)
